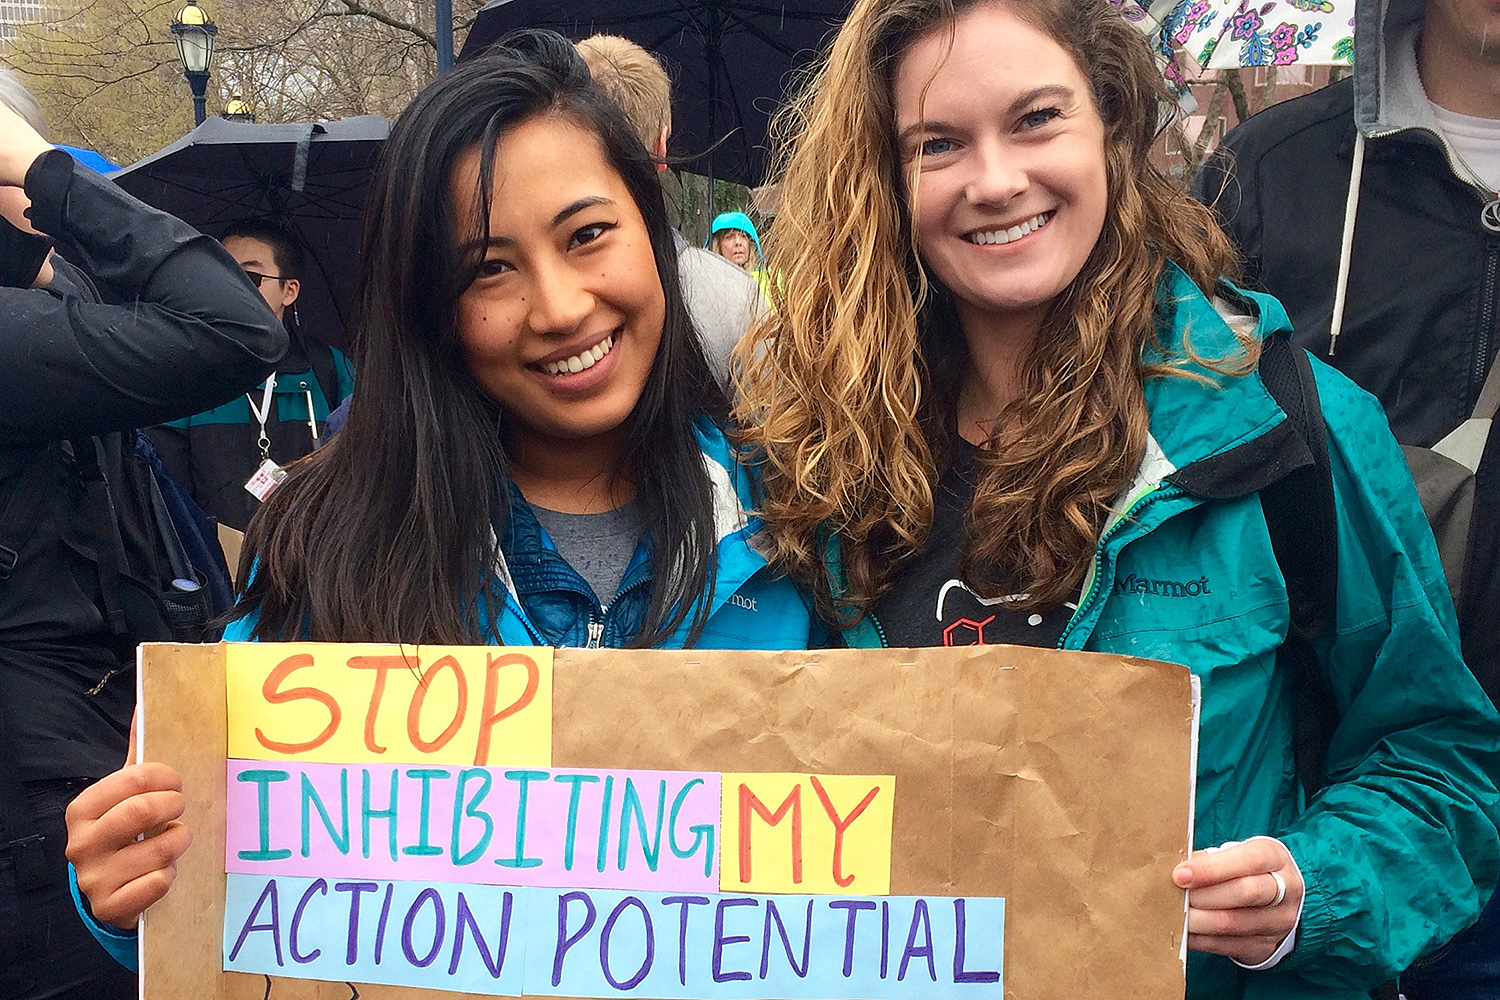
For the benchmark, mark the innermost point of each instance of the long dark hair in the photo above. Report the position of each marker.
(389, 532)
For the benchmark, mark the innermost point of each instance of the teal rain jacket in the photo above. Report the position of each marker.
(1400, 850)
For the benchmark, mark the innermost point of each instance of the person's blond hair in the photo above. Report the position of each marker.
(848, 390)
(634, 80)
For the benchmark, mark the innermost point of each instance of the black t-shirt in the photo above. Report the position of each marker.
(929, 605)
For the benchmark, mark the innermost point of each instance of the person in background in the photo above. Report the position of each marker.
(83, 564)
(1397, 167)
(733, 237)
(1009, 389)
(722, 301)
(215, 454)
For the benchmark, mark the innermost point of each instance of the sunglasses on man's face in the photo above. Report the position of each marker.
(257, 277)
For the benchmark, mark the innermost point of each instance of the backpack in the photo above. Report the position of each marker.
(162, 575)
(1303, 525)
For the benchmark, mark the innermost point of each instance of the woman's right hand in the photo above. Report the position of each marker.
(125, 834)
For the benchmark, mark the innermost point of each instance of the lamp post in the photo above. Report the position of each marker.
(237, 109)
(195, 47)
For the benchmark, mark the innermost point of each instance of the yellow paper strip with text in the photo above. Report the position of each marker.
(338, 703)
(806, 833)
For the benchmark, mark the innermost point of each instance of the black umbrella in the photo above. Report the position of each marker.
(310, 178)
(731, 61)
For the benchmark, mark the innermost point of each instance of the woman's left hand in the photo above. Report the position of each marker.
(1233, 905)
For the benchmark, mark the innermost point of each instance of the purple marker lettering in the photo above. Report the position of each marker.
(919, 918)
(852, 906)
(685, 902)
(268, 893)
(385, 915)
(885, 937)
(355, 890)
(565, 938)
(466, 919)
(960, 974)
(319, 886)
(774, 913)
(649, 950)
(440, 921)
(720, 940)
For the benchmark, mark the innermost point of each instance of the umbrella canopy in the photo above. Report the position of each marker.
(309, 178)
(90, 158)
(731, 61)
(1224, 34)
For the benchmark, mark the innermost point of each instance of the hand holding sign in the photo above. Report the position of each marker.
(1233, 904)
(118, 872)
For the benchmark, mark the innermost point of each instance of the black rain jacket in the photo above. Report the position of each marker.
(183, 330)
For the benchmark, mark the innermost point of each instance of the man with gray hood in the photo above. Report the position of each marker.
(1371, 209)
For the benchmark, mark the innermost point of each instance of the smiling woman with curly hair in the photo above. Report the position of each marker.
(1008, 393)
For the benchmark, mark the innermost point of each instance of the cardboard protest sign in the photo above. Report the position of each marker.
(940, 824)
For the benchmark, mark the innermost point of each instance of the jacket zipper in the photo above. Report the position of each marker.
(1491, 264)
(596, 624)
(1486, 324)
(1087, 603)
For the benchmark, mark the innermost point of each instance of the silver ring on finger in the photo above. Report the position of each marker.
(1280, 889)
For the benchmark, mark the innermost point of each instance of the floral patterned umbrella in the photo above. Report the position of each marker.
(1147, 15)
(1223, 34)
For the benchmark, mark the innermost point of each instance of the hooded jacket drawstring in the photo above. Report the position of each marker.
(1346, 244)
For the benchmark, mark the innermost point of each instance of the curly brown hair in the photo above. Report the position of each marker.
(847, 392)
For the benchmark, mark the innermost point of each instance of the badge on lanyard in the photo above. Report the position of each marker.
(268, 475)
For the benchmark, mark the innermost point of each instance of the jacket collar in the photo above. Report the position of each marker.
(1389, 98)
(1201, 413)
(740, 555)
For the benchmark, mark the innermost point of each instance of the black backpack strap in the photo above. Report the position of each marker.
(325, 370)
(1303, 523)
(103, 529)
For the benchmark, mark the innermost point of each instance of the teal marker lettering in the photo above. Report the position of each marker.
(263, 778)
(609, 794)
(523, 780)
(577, 781)
(630, 803)
(310, 797)
(701, 832)
(470, 808)
(422, 848)
(367, 812)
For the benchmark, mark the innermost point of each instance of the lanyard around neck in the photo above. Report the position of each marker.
(262, 413)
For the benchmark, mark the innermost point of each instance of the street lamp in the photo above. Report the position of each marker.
(237, 109)
(195, 47)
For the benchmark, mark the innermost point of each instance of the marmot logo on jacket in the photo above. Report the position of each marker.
(1133, 584)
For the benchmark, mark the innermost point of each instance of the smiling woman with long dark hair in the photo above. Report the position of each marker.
(535, 454)
(525, 356)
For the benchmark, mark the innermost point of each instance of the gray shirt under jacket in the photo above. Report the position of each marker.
(598, 546)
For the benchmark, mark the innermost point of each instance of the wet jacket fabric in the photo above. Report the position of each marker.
(188, 332)
(158, 322)
(1422, 317)
(1400, 849)
(213, 453)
